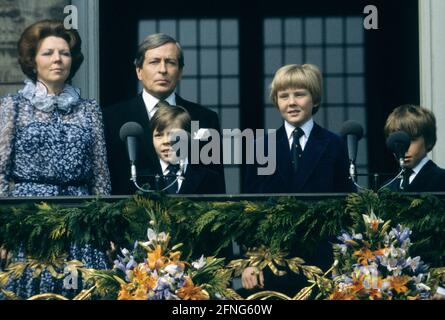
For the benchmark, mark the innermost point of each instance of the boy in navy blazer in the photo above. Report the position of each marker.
(422, 174)
(309, 158)
(192, 179)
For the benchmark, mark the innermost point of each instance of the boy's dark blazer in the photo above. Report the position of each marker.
(201, 180)
(430, 178)
(197, 180)
(134, 110)
(323, 167)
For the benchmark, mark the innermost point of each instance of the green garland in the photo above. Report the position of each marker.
(208, 227)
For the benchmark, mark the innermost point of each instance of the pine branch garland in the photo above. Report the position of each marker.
(46, 230)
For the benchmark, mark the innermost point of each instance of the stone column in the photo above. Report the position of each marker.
(432, 68)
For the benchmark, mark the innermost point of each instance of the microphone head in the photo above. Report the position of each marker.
(398, 142)
(352, 127)
(132, 129)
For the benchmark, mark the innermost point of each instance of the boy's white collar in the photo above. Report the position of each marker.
(420, 165)
(164, 165)
(306, 127)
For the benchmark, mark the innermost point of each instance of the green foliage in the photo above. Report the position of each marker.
(208, 227)
(107, 284)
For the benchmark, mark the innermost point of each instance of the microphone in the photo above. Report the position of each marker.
(353, 132)
(398, 142)
(129, 133)
(181, 169)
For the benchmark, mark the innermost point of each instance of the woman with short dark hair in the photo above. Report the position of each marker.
(51, 140)
(31, 39)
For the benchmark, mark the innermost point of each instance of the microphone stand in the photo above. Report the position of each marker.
(402, 170)
(179, 176)
(353, 174)
(375, 177)
(135, 182)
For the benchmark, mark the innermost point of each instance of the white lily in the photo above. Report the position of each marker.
(199, 263)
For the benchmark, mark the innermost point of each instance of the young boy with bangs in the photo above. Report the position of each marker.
(421, 174)
(179, 177)
(309, 158)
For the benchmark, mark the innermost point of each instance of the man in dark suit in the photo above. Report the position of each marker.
(159, 64)
(420, 174)
(309, 159)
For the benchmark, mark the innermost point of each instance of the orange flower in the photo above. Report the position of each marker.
(364, 254)
(174, 256)
(132, 292)
(143, 278)
(190, 292)
(357, 284)
(155, 259)
(142, 283)
(174, 259)
(379, 252)
(342, 295)
(124, 293)
(375, 224)
(140, 294)
(375, 294)
(399, 283)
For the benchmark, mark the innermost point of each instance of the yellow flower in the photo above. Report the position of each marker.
(364, 254)
(190, 292)
(342, 295)
(379, 252)
(142, 283)
(375, 294)
(140, 294)
(143, 278)
(372, 221)
(375, 225)
(357, 283)
(124, 293)
(155, 259)
(174, 259)
(399, 283)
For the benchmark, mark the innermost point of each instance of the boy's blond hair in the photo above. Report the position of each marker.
(306, 76)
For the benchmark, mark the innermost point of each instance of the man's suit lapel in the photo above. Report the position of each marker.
(139, 111)
(183, 103)
(314, 149)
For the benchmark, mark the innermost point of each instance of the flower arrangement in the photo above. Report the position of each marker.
(163, 276)
(373, 263)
